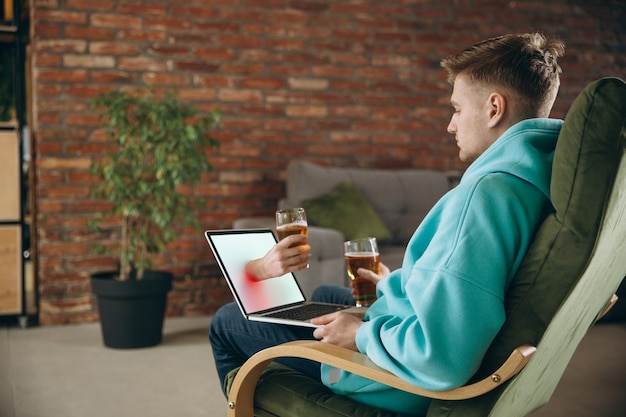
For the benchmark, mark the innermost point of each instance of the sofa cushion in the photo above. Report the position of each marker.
(345, 209)
(401, 198)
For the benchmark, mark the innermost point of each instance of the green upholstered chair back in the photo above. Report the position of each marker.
(576, 261)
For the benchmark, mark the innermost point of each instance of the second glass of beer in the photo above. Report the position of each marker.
(291, 221)
(362, 253)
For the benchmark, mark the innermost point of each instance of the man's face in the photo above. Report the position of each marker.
(470, 119)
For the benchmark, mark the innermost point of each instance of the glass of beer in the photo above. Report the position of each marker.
(291, 221)
(362, 253)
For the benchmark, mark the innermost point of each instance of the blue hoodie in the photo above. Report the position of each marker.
(436, 316)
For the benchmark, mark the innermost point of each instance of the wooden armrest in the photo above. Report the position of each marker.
(608, 307)
(241, 398)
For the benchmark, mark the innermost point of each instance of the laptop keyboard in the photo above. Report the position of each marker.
(306, 311)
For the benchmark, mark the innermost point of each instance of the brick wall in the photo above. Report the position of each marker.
(353, 83)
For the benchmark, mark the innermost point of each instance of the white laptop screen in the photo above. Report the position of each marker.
(233, 249)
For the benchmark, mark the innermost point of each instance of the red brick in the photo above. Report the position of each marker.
(85, 90)
(330, 125)
(262, 83)
(350, 111)
(243, 68)
(286, 44)
(240, 124)
(351, 8)
(63, 163)
(105, 77)
(371, 125)
(169, 50)
(41, 30)
(197, 94)
(285, 124)
(166, 23)
(140, 35)
(50, 118)
(77, 75)
(349, 137)
(390, 112)
(100, 5)
(45, 206)
(381, 73)
(64, 249)
(264, 3)
(167, 79)
(195, 11)
(112, 48)
(64, 192)
(115, 20)
(141, 64)
(261, 55)
(48, 60)
(221, 54)
(263, 29)
(61, 45)
(82, 120)
(309, 33)
(143, 8)
(306, 111)
(240, 95)
(88, 61)
(232, 41)
(59, 16)
(87, 32)
(197, 67)
(261, 110)
(212, 80)
(290, 70)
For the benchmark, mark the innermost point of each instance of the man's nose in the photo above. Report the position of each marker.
(451, 127)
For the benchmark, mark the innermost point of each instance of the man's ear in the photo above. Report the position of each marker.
(497, 108)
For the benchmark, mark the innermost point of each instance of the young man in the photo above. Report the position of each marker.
(437, 315)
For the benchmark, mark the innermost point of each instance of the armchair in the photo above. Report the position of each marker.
(573, 267)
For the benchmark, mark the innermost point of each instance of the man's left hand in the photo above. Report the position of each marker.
(338, 329)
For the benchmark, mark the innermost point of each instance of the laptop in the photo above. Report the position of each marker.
(275, 300)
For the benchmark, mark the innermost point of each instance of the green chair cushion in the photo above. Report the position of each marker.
(282, 391)
(345, 209)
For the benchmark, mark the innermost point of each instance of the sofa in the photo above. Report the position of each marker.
(346, 203)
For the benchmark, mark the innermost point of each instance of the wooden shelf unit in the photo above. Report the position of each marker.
(18, 298)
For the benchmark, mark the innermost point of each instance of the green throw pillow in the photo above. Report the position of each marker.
(346, 210)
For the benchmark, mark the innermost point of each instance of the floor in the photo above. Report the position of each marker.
(66, 371)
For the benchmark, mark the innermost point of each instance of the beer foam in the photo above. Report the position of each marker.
(361, 254)
(296, 223)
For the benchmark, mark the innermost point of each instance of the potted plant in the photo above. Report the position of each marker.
(158, 144)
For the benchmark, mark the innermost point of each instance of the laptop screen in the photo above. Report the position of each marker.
(233, 249)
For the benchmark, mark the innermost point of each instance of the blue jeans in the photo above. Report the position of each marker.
(234, 338)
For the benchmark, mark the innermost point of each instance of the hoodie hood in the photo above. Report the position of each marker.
(509, 153)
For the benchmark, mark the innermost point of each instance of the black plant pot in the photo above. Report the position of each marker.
(132, 312)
